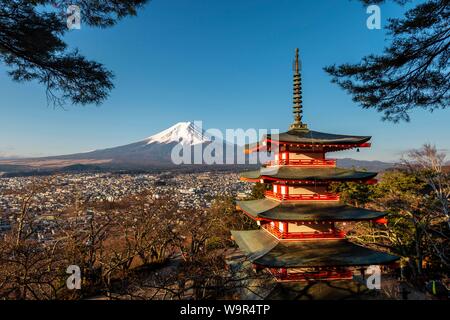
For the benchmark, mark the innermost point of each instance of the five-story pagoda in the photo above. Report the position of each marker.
(299, 238)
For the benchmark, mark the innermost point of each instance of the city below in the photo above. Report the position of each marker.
(190, 190)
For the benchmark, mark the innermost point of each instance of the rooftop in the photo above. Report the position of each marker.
(299, 173)
(263, 249)
(307, 211)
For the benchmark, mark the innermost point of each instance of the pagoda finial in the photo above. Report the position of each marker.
(298, 104)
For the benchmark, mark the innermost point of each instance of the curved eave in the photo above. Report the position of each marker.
(317, 178)
(310, 140)
(249, 180)
(305, 174)
(339, 253)
(262, 249)
(319, 138)
(261, 146)
(271, 210)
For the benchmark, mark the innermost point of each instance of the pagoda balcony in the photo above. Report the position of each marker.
(283, 275)
(304, 197)
(304, 235)
(303, 162)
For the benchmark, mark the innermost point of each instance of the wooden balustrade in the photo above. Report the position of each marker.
(337, 234)
(304, 162)
(323, 274)
(316, 196)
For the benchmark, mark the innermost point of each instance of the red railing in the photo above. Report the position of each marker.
(324, 275)
(304, 235)
(304, 162)
(316, 196)
(312, 235)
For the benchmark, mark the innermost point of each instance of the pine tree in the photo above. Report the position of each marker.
(32, 47)
(412, 72)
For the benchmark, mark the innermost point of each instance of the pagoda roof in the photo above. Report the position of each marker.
(316, 137)
(306, 211)
(302, 173)
(263, 249)
(310, 138)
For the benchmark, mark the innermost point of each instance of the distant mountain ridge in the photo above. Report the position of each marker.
(369, 165)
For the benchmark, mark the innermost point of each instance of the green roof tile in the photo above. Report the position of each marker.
(306, 211)
(313, 138)
(308, 253)
(300, 173)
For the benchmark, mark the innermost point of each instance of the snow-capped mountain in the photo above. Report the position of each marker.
(182, 132)
(154, 150)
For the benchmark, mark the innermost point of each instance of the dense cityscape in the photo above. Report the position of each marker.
(190, 190)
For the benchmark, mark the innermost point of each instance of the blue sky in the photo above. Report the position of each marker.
(227, 63)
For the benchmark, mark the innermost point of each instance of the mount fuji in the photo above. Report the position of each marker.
(182, 132)
(152, 152)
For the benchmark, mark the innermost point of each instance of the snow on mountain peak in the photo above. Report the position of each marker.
(183, 132)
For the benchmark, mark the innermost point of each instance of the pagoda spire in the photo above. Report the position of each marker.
(298, 103)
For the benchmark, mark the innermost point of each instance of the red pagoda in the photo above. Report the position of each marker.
(299, 236)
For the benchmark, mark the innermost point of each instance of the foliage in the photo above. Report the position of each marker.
(136, 247)
(412, 72)
(32, 46)
(258, 191)
(415, 196)
(357, 194)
